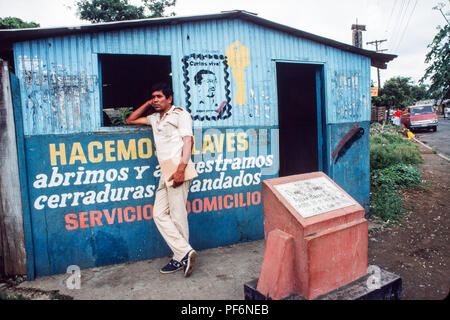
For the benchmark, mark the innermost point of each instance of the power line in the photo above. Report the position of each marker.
(407, 24)
(398, 18)
(396, 31)
(390, 17)
(401, 29)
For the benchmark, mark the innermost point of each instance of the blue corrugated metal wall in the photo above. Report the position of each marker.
(60, 90)
(60, 76)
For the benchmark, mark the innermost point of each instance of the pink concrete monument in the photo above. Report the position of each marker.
(316, 237)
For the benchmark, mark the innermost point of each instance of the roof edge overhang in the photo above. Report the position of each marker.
(8, 37)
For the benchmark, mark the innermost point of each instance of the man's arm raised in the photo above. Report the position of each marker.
(136, 116)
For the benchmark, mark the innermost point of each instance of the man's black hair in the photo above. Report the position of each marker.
(164, 87)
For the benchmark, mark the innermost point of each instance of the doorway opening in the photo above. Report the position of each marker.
(126, 81)
(299, 118)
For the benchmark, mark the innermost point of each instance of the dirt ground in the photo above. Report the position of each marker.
(418, 249)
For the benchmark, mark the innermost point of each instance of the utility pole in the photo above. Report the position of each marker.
(376, 42)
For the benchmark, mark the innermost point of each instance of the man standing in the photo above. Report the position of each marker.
(172, 131)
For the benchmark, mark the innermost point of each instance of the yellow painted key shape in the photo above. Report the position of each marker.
(238, 58)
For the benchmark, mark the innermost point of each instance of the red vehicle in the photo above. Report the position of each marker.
(420, 116)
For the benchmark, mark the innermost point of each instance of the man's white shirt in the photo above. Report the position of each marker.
(169, 132)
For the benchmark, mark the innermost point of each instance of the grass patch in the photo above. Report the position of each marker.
(394, 166)
(14, 296)
(397, 176)
(387, 149)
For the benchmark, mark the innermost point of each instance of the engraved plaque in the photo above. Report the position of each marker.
(314, 196)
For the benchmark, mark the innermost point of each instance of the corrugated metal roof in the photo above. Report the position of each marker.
(7, 37)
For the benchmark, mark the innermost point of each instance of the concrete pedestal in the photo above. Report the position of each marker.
(389, 287)
(316, 237)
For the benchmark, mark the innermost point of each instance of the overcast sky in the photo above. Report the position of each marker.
(408, 25)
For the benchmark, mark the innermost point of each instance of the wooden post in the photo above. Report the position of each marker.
(12, 239)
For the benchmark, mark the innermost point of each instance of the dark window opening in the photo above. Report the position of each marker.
(126, 82)
(8, 55)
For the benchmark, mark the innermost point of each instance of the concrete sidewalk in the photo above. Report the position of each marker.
(220, 274)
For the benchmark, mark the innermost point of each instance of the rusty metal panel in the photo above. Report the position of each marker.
(59, 85)
(350, 169)
(348, 89)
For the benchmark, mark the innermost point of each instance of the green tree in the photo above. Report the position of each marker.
(420, 92)
(118, 10)
(438, 72)
(400, 92)
(16, 23)
(158, 7)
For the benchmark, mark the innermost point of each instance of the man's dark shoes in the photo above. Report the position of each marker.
(188, 262)
(171, 267)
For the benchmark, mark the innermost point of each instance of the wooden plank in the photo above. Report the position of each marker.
(12, 239)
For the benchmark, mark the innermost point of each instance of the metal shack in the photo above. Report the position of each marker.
(267, 100)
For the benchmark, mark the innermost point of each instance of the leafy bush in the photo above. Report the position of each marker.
(386, 205)
(124, 113)
(387, 149)
(397, 176)
(394, 164)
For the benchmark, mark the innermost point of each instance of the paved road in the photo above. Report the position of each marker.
(439, 140)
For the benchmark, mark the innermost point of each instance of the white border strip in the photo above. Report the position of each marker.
(428, 147)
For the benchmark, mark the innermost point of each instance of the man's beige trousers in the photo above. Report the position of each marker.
(170, 215)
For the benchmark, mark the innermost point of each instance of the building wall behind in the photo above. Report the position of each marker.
(60, 91)
(60, 79)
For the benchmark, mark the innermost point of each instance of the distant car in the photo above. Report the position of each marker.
(420, 116)
(446, 112)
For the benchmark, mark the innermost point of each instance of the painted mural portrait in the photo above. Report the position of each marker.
(205, 83)
(207, 87)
